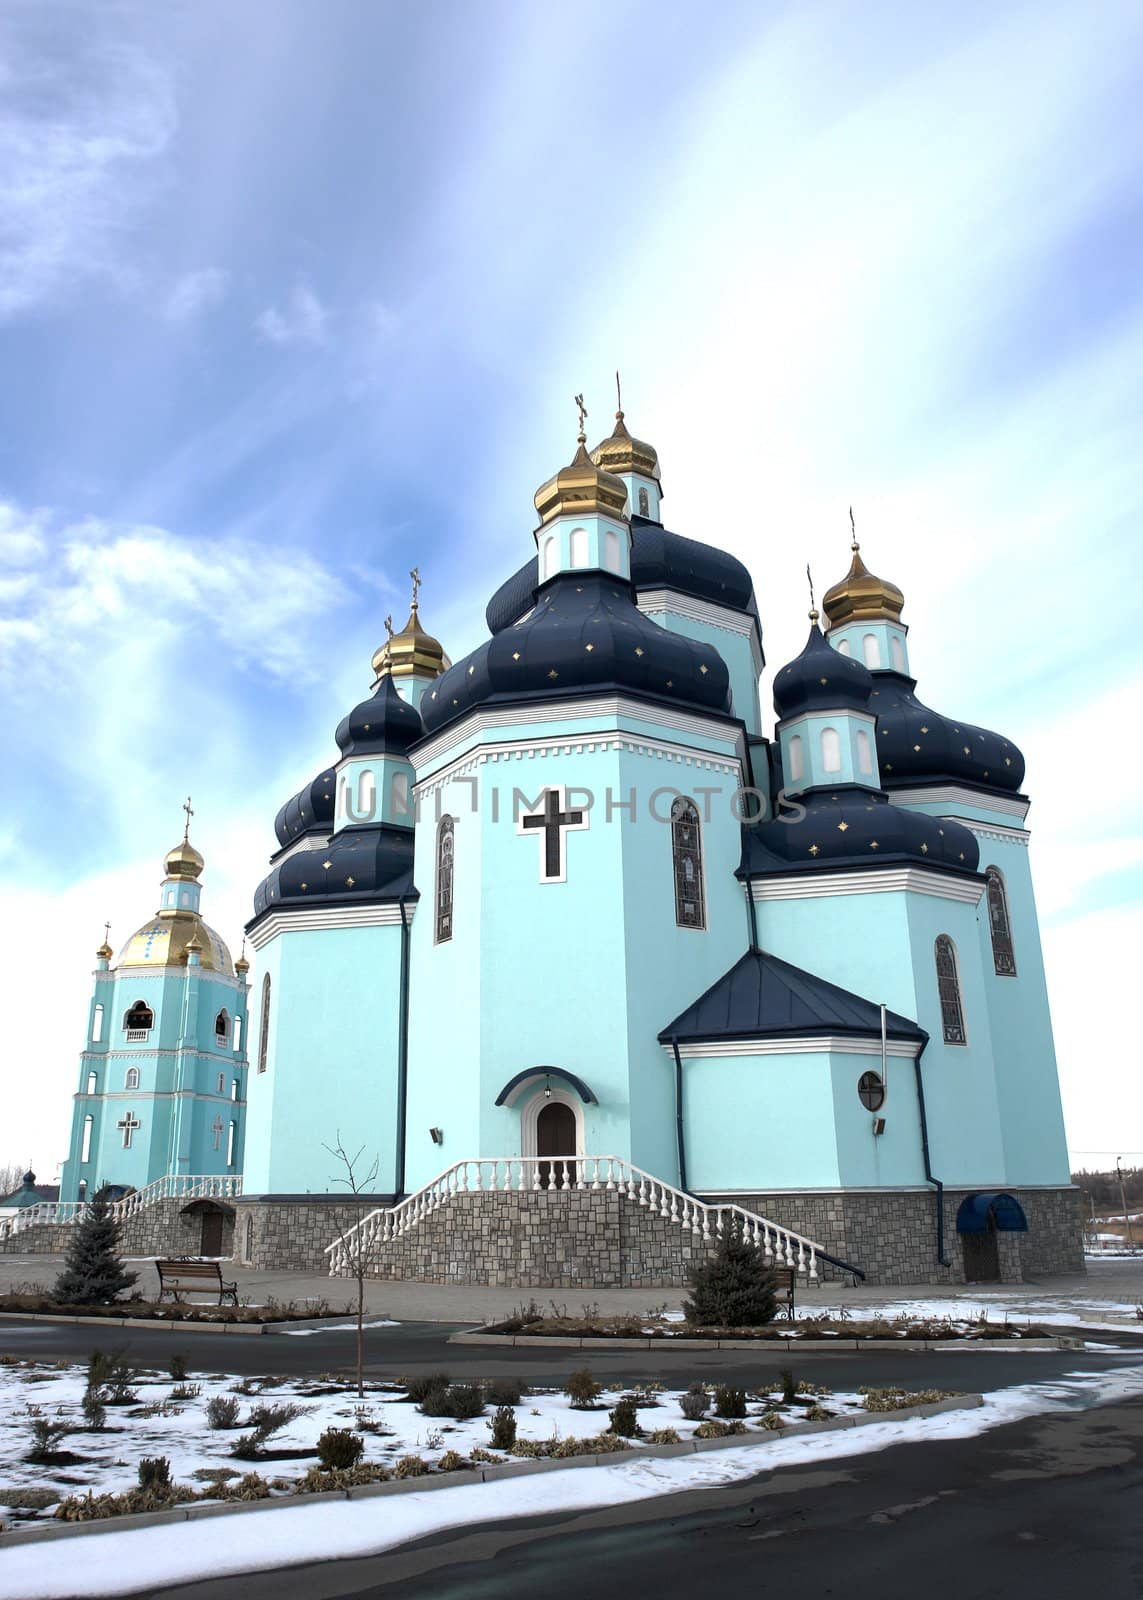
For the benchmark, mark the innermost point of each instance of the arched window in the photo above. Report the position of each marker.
(238, 1033)
(611, 550)
(231, 1141)
(871, 651)
(1000, 925)
(549, 566)
(92, 1083)
(831, 750)
(264, 1034)
(644, 503)
(578, 547)
(222, 1026)
(361, 808)
(97, 1025)
(864, 752)
(138, 1022)
(897, 651)
(131, 1078)
(234, 1088)
(843, 647)
(948, 987)
(445, 848)
(797, 758)
(399, 794)
(686, 848)
(220, 1083)
(85, 1146)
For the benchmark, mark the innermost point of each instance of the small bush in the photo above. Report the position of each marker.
(411, 1467)
(263, 1422)
(155, 1473)
(18, 1498)
(505, 1391)
(502, 1426)
(582, 1389)
(45, 1436)
(729, 1402)
(789, 1386)
(816, 1413)
(625, 1418)
(478, 1453)
(663, 1436)
(317, 1481)
(186, 1391)
(604, 1444)
(718, 1430)
(251, 1486)
(771, 1421)
(222, 1411)
(452, 1461)
(340, 1448)
(465, 1401)
(900, 1399)
(94, 1411)
(417, 1388)
(733, 1289)
(695, 1402)
(531, 1448)
(177, 1367)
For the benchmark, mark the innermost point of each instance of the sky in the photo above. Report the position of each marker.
(294, 297)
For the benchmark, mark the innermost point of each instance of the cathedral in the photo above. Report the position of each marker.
(566, 927)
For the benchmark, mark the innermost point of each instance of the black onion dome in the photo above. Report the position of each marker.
(586, 634)
(821, 677)
(659, 560)
(311, 808)
(382, 725)
(851, 826)
(916, 745)
(358, 864)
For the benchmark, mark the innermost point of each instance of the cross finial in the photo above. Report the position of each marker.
(415, 574)
(582, 418)
(810, 581)
(190, 813)
(853, 532)
(107, 932)
(389, 627)
(618, 397)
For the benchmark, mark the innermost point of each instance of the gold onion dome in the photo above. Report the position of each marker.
(184, 861)
(621, 453)
(861, 596)
(582, 489)
(105, 952)
(164, 940)
(412, 652)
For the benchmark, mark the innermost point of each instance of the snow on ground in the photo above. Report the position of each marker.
(340, 1327)
(962, 1312)
(295, 1535)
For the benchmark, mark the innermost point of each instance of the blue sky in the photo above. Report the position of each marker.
(294, 296)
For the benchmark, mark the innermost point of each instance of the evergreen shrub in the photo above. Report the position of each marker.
(733, 1289)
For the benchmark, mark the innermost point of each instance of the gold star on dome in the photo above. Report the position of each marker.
(349, 882)
(888, 766)
(638, 649)
(305, 886)
(823, 682)
(589, 648)
(916, 747)
(924, 849)
(843, 827)
(815, 849)
(702, 669)
(515, 655)
(471, 670)
(670, 683)
(552, 673)
(366, 728)
(924, 730)
(1007, 761)
(962, 855)
(873, 845)
(327, 865)
(967, 750)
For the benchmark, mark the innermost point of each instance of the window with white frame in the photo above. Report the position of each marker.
(237, 1033)
(231, 1140)
(234, 1088)
(264, 1030)
(686, 851)
(948, 987)
(871, 650)
(611, 549)
(446, 842)
(644, 503)
(85, 1144)
(222, 1027)
(549, 564)
(399, 794)
(843, 647)
(831, 750)
(138, 1022)
(97, 1025)
(577, 546)
(131, 1078)
(92, 1083)
(864, 752)
(897, 651)
(797, 754)
(220, 1083)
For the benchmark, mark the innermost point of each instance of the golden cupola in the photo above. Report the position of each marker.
(581, 489)
(412, 653)
(620, 453)
(177, 928)
(184, 861)
(861, 596)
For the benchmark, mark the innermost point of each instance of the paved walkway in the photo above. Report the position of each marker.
(1108, 1292)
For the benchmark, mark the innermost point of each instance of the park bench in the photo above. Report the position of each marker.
(785, 1279)
(182, 1274)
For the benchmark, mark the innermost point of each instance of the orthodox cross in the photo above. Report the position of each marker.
(810, 581)
(853, 529)
(129, 1124)
(389, 627)
(618, 396)
(107, 933)
(416, 577)
(216, 1128)
(190, 814)
(582, 414)
(552, 822)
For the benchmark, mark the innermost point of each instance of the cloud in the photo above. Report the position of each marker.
(194, 293)
(83, 126)
(302, 321)
(21, 535)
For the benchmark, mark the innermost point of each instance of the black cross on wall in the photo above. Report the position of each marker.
(552, 822)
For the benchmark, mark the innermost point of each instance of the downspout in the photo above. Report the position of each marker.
(753, 912)
(679, 1134)
(402, 1054)
(938, 1186)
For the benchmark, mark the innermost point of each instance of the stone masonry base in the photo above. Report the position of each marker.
(167, 1228)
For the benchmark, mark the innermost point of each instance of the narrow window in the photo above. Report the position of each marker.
(843, 647)
(220, 1083)
(686, 847)
(611, 550)
(234, 1088)
(237, 1033)
(264, 1035)
(578, 547)
(948, 987)
(217, 1128)
(445, 847)
(131, 1078)
(222, 1026)
(85, 1147)
(897, 651)
(231, 1137)
(797, 758)
(97, 1025)
(1003, 956)
(184, 897)
(644, 503)
(831, 750)
(138, 1022)
(864, 752)
(81, 1192)
(399, 794)
(549, 556)
(872, 651)
(92, 1083)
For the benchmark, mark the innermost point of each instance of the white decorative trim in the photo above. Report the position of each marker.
(742, 623)
(327, 917)
(954, 794)
(541, 833)
(308, 841)
(701, 1049)
(994, 830)
(530, 1108)
(716, 725)
(914, 880)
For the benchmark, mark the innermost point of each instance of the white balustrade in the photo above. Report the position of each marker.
(190, 1186)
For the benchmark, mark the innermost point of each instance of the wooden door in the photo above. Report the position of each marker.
(555, 1136)
(981, 1254)
(211, 1234)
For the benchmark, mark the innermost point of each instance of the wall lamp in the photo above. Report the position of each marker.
(436, 1135)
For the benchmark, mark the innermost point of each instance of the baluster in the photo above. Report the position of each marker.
(477, 1184)
(564, 1184)
(706, 1224)
(674, 1206)
(789, 1251)
(595, 1173)
(535, 1176)
(767, 1245)
(642, 1191)
(463, 1177)
(813, 1265)
(630, 1184)
(610, 1184)
(695, 1224)
(507, 1184)
(801, 1256)
(520, 1185)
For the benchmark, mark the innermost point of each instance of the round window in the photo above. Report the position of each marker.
(871, 1091)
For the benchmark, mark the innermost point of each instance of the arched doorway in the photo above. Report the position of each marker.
(556, 1135)
(213, 1222)
(978, 1220)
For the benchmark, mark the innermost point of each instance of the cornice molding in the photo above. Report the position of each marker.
(955, 794)
(823, 1044)
(590, 744)
(890, 880)
(302, 921)
(742, 623)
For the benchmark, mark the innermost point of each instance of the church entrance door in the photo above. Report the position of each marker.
(556, 1136)
(211, 1244)
(981, 1255)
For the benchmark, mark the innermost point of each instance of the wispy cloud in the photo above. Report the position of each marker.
(303, 319)
(194, 293)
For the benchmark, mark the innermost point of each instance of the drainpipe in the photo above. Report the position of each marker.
(402, 1054)
(680, 1136)
(753, 912)
(942, 1260)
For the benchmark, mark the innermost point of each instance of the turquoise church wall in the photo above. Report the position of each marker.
(754, 1121)
(734, 648)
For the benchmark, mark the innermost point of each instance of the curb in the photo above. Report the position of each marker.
(569, 1342)
(489, 1474)
(171, 1324)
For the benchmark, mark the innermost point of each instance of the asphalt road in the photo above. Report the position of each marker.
(1048, 1508)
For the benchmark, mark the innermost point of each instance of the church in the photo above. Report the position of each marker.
(582, 958)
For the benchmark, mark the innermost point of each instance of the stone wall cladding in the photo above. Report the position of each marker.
(162, 1229)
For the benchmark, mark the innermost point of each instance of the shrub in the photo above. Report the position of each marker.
(771, 1421)
(317, 1481)
(417, 1388)
(452, 1461)
(663, 1436)
(505, 1391)
(45, 1436)
(503, 1428)
(186, 1391)
(479, 1454)
(27, 1499)
(582, 1389)
(263, 1422)
(604, 1444)
(251, 1486)
(339, 1449)
(718, 1430)
(694, 1403)
(729, 1402)
(177, 1367)
(900, 1399)
(531, 1448)
(94, 1411)
(625, 1418)
(93, 1271)
(733, 1289)
(789, 1386)
(816, 1413)
(222, 1411)
(465, 1401)
(155, 1473)
(411, 1467)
